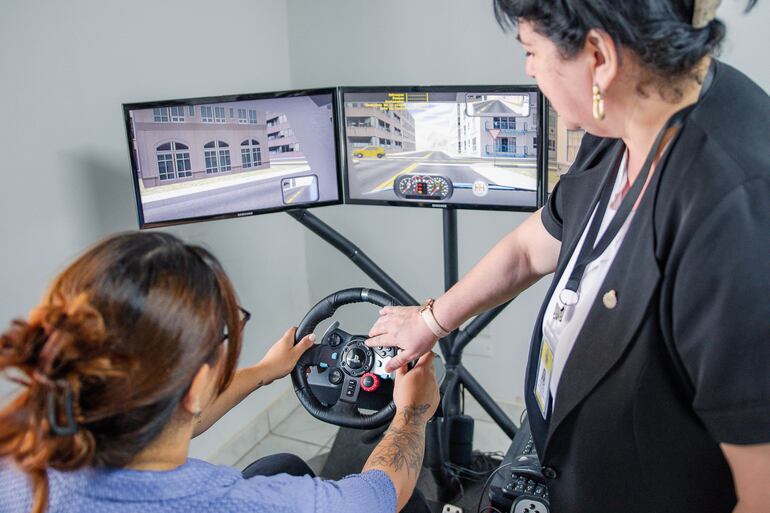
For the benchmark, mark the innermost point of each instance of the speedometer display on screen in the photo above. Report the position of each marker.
(423, 187)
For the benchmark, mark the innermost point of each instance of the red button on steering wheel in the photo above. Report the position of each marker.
(370, 382)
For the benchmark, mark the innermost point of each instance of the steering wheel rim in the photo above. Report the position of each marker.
(342, 413)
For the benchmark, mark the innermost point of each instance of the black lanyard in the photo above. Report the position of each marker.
(591, 250)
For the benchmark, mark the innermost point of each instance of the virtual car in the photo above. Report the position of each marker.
(369, 151)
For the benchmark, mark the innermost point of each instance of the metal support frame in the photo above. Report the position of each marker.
(457, 376)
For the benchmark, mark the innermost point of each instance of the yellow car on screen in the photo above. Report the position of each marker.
(369, 151)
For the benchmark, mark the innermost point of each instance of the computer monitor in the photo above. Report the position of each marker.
(563, 144)
(465, 147)
(233, 156)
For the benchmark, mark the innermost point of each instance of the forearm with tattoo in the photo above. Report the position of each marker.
(403, 446)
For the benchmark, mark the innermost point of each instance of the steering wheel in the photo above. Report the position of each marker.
(341, 366)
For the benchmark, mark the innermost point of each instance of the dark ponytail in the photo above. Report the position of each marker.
(105, 359)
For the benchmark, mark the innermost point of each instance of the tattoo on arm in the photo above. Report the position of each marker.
(403, 446)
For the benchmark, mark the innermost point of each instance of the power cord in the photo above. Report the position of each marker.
(488, 481)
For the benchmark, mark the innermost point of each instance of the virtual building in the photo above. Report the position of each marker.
(185, 143)
(563, 144)
(515, 136)
(371, 126)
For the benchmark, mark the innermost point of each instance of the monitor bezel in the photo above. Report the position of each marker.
(127, 107)
(517, 88)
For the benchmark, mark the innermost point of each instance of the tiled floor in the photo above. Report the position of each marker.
(300, 434)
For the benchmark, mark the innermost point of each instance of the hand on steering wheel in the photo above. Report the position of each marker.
(401, 326)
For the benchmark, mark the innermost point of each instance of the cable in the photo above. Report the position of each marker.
(490, 508)
(489, 480)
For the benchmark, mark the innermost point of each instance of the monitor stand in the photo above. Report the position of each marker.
(458, 378)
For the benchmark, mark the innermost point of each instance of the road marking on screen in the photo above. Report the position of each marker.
(294, 196)
(388, 184)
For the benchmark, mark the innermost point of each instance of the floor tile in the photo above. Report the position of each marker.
(282, 408)
(241, 443)
(300, 425)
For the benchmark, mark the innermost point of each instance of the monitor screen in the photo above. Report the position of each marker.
(233, 156)
(563, 144)
(468, 147)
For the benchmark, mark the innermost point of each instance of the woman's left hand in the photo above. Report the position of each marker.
(282, 357)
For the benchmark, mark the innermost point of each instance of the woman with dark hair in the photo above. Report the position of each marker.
(131, 353)
(648, 382)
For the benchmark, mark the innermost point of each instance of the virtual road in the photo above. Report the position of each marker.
(371, 178)
(265, 193)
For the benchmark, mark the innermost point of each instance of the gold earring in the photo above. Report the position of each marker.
(598, 103)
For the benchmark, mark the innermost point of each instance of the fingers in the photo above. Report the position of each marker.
(304, 344)
(399, 372)
(399, 360)
(385, 310)
(380, 341)
(426, 360)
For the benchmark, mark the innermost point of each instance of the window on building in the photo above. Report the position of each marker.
(207, 114)
(191, 111)
(217, 157)
(177, 114)
(160, 115)
(534, 142)
(574, 137)
(506, 145)
(232, 112)
(173, 161)
(252, 116)
(551, 144)
(251, 153)
(504, 123)
(243, 116)
(219, 114)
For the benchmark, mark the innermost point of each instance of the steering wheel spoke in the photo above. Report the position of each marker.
(351, 387)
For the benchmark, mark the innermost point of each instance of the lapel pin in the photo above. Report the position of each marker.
(610, 299)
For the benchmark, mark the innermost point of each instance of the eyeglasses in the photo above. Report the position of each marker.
(245, 316)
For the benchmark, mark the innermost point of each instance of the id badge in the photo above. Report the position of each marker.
(543, 383)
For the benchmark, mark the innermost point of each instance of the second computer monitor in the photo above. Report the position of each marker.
(466, 147)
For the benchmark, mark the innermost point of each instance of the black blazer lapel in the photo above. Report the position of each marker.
(633, 276)
(586, 186)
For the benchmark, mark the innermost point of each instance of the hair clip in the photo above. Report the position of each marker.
(704, 11)
(71, 427)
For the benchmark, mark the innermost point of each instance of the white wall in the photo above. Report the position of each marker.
(65, 177)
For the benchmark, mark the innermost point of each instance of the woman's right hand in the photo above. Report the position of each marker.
(402, 327)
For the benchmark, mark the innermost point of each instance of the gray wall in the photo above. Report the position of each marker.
(411, 43)
(405, 42)
(66, 69)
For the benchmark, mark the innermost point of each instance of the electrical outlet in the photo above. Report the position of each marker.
(451, 508)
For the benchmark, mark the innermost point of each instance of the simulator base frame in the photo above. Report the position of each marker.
(438, 437)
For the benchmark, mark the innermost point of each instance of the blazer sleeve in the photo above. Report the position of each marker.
(721, 315)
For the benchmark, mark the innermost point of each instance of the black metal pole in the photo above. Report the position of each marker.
(358, 257)
(486, 401)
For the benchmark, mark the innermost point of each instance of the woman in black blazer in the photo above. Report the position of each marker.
(648, 383)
